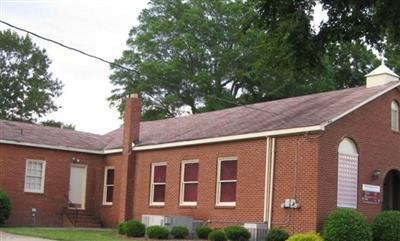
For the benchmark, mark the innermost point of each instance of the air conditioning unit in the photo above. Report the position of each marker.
(196, 224)
(258, 230)
(168, 221)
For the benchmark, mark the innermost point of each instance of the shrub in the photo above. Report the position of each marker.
(203, 232)
(306, 237)
(237, 233)
(134, 228)
(179, 232)
(346, 224)
(386, 226)
(277, 235)
(5, 207)
(216, 235)
(122, 228)
(157, 232)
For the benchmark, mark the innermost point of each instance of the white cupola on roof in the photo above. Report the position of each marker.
(381, 76)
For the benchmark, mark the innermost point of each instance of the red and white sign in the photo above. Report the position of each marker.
(371, 194)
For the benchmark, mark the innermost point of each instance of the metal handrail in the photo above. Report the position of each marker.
(76, 211)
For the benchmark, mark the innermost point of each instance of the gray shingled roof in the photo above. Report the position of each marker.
(288, 113)
(57, 137)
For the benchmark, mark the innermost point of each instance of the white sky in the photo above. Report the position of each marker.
(99, 27)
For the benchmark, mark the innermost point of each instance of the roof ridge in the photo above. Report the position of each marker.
(48, 127)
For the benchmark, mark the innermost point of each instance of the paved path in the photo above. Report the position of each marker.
(12, 237)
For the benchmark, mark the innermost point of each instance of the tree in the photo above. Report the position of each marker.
(27, 88)
(346, 39)
(201, 55)
(59, 124)
(190, 54)
(331, 56)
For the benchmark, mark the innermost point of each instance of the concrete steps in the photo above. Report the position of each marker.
(81, 218)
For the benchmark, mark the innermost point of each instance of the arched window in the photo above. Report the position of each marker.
(347, 174)
(395, 116)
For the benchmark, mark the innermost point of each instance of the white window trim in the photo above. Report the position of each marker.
(152, 184)
(43, 176)
(218, 202)
(182, 190)
(107, 185)
(395, 116)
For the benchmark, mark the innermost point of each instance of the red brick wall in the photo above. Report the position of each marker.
(313, 185)
(12, 178)
(250, 182)
(378, 146)
(109, 213)
(296, 153)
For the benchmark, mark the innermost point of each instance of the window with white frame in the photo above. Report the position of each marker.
(108, 191)
(189, 182)
(395, 116)
(34, 176)
(226, 182)
(158, 183)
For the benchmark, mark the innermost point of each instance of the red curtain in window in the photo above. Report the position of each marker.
(160, 173)
(110, 176)
(228, 192)
(159, 193)
(191, 172)
(190, 194)
(228, 170)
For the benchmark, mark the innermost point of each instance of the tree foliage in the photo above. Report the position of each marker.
(201, 55)
(58, 124)
(189, 54)
(345, 38)
(27, 88)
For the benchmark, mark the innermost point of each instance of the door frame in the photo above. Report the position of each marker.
(83, 205)
(394, 172)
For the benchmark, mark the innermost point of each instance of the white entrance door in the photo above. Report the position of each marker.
(77, 186)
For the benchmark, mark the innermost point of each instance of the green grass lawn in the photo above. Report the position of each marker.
(67, 234)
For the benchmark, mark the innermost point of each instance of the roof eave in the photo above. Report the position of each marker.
(256, 135)
(281, 132)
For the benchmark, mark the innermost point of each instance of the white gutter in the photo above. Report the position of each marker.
(359, 105)
(112, 151)
(231, 138)
(176, 144)
(267, 177)
(63, 148)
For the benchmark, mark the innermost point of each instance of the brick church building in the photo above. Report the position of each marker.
(285, 163)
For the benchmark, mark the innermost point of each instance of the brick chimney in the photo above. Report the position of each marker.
(131, 122)
(127, 164)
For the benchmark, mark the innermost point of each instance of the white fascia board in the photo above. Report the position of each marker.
(179, 143)
(359, 105)
(63, 148)
(111, 151)
(231, 138)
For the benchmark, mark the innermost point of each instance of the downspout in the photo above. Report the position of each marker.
(269, 180)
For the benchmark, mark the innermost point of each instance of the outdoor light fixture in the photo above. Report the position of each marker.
(375, 174)
(34, 211)
(75, 160)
